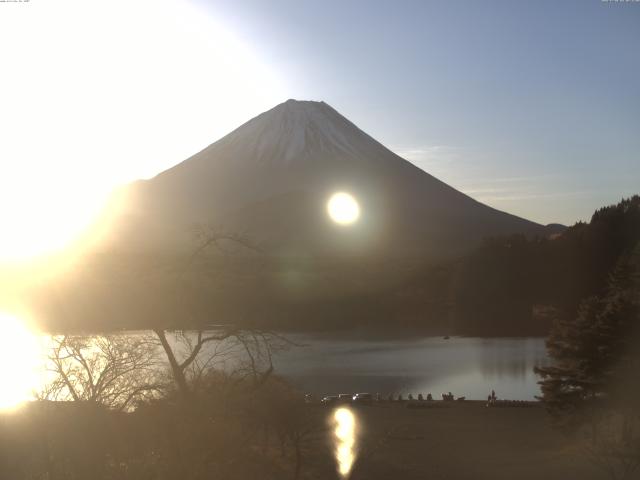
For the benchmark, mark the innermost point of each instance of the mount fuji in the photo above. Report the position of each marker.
(270, 180)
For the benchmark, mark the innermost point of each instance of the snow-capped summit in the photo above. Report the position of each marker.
(293, 130)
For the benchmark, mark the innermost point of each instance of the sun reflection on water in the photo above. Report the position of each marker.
(345, 440)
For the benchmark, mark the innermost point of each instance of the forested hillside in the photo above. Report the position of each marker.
(514, 285)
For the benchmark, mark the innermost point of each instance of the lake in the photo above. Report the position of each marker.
(329, 364)
(465, 366)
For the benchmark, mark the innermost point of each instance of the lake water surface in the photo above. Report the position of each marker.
(328, 364)
(465, 366)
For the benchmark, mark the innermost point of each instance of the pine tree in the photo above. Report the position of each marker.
(590, 388)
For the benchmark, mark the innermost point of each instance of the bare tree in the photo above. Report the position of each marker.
(242, 353)
(112, 370)
(191, 354)
(180, 366)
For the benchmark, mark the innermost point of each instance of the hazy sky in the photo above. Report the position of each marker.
(532, 107)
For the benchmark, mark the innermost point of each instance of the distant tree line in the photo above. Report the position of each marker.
(516, 285)
(509, 285)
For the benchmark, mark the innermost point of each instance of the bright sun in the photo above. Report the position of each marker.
(98, 94)
(20, 362)
(343, 208)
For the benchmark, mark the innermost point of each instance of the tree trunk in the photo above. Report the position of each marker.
(176, 369)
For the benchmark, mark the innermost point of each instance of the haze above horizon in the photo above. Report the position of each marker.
(532, 109)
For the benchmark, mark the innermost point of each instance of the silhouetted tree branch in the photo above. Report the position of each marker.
(255, 346)
(111, 370)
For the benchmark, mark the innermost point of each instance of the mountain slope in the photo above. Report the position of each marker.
(271, 178)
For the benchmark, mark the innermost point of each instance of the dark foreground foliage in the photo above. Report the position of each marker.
(228, 429)
(591, 388)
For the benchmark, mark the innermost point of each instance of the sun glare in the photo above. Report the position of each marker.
(345, 440)
(103, 93)
(343, 208)
(20, 362)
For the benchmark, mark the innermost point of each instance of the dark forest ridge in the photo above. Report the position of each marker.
(271, 178)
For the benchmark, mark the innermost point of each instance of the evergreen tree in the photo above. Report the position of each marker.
(590, 387)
